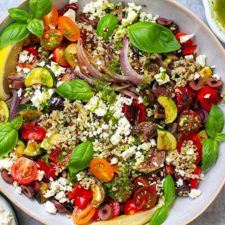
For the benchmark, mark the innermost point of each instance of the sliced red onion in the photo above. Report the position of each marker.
(129, 94)
(80, 75)
(60, 207)
(128, 71)
(203, 114)
(105, 212)
(6, 176)
(28, 191)
(164, 21)
(14, 104)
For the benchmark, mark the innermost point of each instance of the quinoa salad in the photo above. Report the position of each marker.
(112, 112)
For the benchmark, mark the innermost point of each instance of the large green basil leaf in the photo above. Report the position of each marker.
(36, 27)
(106, 26)
(220, 137)
(160, 216)
(81, 157)
(215, 121)
(40, 7)
(152, 38)
(169, 190)
(75, 90)
(19, 15)
(13, 33)
(210, 151)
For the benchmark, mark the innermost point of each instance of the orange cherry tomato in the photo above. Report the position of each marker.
(51, 39)
(51, 19)
(101, 169)
(24, 171)
(83, 216)
(59, 56)
(69, 29)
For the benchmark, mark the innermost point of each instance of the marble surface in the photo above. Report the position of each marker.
(215, 213)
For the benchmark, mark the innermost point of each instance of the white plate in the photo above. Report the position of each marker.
(8, 208)
(185, 209)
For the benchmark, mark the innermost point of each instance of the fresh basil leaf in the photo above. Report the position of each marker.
(106, 26)
(17, 122)
(215, 121)
(13, 33)
(219, 137)
(81, 157)
(160, 216)
(210, 151)
(8, 139)
(36, 27)
(19, 15)
(169, 190)
(152, 38)
(40, 7)
(75, 90)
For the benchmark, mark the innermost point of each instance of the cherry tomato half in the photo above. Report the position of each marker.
(59, 56)
(101, 169)
(82, 197)
(31, 131)
(83, 216)
(141, 181)
(51, 39)
(130, 207)
(189, 122)
(51, 19)
(24, 171)
(69, 29)
(145, 197)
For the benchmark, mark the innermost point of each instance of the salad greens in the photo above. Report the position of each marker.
(214, 127)
(25, 23)
(9, 135)
(81, 157)
(152, 38)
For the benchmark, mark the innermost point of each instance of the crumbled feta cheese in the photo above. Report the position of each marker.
(179, 182)
(100, 112)
(50, 207)
(132, 13)
(140, 100)
(60, 195)
(120, 33)
(116, 138)
(146, 17)
(41, 64)
(190, 151)
(24, 56)
(146, 146)
(188, 57)
(72, 1)
(197, 75)
(57, 69)
(5, 217)
(186, 38)
(40, 175)
(194, 193)
(138, 154)
(114, 161)
(6, 164)
(19, 92)
(153, 142)
(71, 14)
(201, 59)
(162, 77)
(129, 152)
(216, 76)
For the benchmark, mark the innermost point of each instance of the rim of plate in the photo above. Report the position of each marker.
(219, 45)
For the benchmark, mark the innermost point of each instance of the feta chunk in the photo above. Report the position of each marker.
(129, 152)
(201, 59)
(186, 38)
(217, 76)
(194, 193)
(50, 207)
(162, 77)
(5, 217)
(71, 14)
(6, 164)
(179, 182)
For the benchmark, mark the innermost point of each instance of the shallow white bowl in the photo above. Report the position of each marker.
(184, 210)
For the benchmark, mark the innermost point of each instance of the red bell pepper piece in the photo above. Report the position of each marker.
(30, 131)
(49, 170)
(54, 155)
(33, 51)
(194, 182)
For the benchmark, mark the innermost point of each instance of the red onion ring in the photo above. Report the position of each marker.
(80, 75)
(28, 191)
(105, 212)
(14, 104)
(60, 208)
(6, 177)
(128, 71)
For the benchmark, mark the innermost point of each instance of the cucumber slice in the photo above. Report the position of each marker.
(4, 112)
(29, 112)
(170, 108)
(32, 149)
(166, 141)
(40, 76)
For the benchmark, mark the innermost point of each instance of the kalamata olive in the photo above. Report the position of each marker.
(197, 84)
(164, 21)
(105, 212)
(84, 19)
(6, 177)
(214, 83)
(56, 103)
(203, 115)
(174, 28)
(68, 206)
(72, 6)
(173, 128)
(36, 186)
(183, 190)
(60, 207)
(28, 191)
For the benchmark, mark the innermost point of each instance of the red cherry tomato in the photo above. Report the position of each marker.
(59, 56)
(31, 131)
(197, 143)
(51, 19)
(32, 51)
(24, 171)
(189, 50)
(194, 182)
(96, 217)
(50, 171)
(51, 39)
(82, 197)
(145, 197)
(208, 96)
(141, 181)
(188, 122)
(184, 98)
(115, 205)
(130, 207)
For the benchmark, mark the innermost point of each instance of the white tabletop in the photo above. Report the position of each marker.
(215, 214)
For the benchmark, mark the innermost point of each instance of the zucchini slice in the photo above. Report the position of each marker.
(29, 112)
(4, 112)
